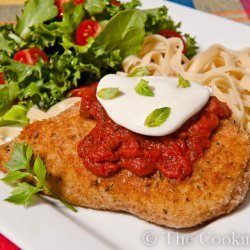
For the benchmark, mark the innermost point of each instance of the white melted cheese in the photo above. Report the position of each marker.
(131, 109)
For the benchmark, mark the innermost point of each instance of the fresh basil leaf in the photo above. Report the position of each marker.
(108, 93)
(40, 172)
(142, 71)
(35, 12)
(157, 117)
(143, 89)
(18, 159)
(14, 176)
(22, 193)
(183, 83)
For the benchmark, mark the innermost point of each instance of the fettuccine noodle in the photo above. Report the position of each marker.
(226, 71)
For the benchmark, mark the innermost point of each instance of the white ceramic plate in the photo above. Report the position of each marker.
(47, 225)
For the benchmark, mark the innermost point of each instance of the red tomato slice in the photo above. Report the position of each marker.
(116, 3)
(59, 4)
(87, 28)
(1, 79)
(30, 56)
(172, 33)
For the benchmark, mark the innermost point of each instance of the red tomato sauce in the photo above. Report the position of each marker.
(110, 147)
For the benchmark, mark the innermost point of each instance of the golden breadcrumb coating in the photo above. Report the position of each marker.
(219, 182)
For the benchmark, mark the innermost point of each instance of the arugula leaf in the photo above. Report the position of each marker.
(142, 71)
(14, 176)
(108, 93)
(157, 117)
(143, 89)
(183, 83)
(19, 167)
(35, 12)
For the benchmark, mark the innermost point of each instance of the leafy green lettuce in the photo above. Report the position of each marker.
(16, 115)
(9, 41)
(35, 12)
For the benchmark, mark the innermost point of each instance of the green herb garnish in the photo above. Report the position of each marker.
(157, 117)
(142, 71)
(108, 93)
(142, 88)
(21, 166)
(183, 83)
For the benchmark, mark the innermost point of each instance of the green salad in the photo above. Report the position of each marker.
(56, 46)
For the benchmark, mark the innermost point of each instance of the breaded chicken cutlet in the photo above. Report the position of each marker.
(219, 181)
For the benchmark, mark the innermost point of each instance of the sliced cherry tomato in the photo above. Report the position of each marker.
(116, 3)
(87, 28)
(81, 91)
(59, 4)
(172, 33)
(30, 56)
(1, 79)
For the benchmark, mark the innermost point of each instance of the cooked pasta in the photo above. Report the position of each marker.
(226, 71)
